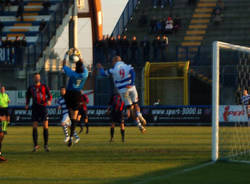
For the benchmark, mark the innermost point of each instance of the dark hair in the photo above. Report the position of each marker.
(36, 73)
(62, 87)
(79, 66)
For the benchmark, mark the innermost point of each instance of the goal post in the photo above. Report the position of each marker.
(216, 47)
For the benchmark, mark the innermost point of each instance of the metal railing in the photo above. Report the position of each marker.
(34, 52)
(125, 17)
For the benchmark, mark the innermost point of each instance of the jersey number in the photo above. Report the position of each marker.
(122, 73)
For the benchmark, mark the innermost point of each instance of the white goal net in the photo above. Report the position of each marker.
(231, 127)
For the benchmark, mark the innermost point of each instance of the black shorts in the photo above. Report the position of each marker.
(4, 112)
(73, 99)
(116, 117)
(39, 113)
(83, 113)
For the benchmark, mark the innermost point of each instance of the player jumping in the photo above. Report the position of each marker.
(124, 80)
(65, 121)
(76, 82)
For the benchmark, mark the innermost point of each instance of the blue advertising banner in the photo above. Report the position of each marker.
(155, 115)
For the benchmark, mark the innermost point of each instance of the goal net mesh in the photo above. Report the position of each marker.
(234, 126)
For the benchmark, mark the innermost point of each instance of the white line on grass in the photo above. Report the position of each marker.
(174, 173)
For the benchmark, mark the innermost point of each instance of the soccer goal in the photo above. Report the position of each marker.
(230, 123)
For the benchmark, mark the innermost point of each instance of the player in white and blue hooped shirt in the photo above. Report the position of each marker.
(245, 99)
(65, 121)
(76, 82)
(124, 80)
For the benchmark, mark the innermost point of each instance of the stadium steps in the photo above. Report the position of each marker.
(180, 8)
(29, 27)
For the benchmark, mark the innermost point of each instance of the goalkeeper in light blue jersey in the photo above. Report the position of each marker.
(76, 83)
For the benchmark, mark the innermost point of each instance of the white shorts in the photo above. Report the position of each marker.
(66, 119)
(130, 96)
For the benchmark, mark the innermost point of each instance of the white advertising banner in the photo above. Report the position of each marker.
(233, 113)
(17, 98)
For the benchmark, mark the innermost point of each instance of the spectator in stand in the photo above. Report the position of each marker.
(111, 47)
(153, 25)
(161, 3)
(1, 28)
(1, 6)
(169, 25)
(15, 2)
(177, 23)
(158, 26)
(1, 42)
(164, 46)
(46, 5)
(23, 42)
(7, 4)
(192, 2)
(220, 4)
(143, 20)
(134, 50)
(156, 48)
(42, 25)
(145, 47)
(20, 10)
(125, 46)
(118, 45)
(217, 16)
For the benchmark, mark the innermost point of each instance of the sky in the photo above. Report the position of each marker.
(112, 10)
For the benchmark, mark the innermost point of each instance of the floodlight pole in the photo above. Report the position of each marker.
(73, 27)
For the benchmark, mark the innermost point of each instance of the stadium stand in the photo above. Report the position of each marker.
(40, 23)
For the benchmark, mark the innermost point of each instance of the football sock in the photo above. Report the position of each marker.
(65, 130)
(123, 134)
(87, 127)
(112, 131)
(45, 136)
(73, 127)
(35, 136)
(76, 136)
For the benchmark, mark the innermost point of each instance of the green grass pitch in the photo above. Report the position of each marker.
(159, 156)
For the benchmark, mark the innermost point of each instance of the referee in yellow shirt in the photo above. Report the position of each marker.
(4, 117)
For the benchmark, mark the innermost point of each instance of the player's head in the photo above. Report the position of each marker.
(37, 78)
(2, 89)
(79, 66)
(245, 92)
(116, 59)
(63, 91)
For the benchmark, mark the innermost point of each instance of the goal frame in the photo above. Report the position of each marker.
(217, 45)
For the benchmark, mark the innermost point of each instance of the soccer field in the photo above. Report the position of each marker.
(162, 155)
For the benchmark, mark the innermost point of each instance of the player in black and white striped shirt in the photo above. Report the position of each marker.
(65, 122)
(245, 99)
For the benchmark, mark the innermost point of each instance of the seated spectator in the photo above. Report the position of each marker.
(1, 6)
(1, 42)
(164, 46)
(169, 25)
(158, 27)
(161, 3)
(14, 2)
(156, 48)
(124, 48)
(143, 20)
